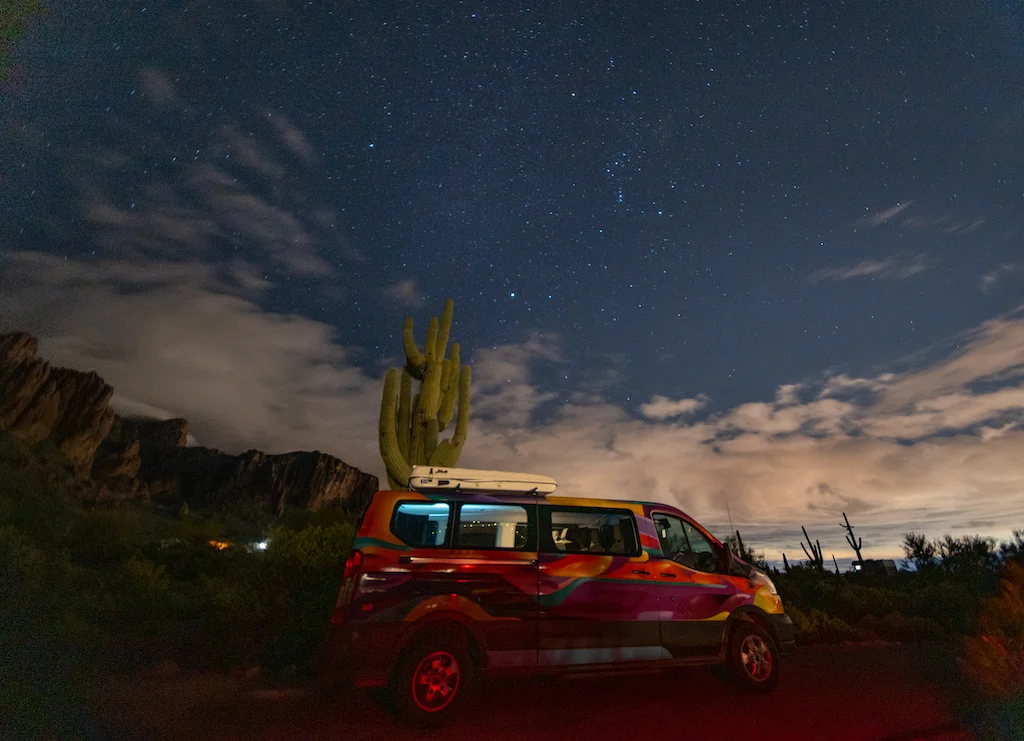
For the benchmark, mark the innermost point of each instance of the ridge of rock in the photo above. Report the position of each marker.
(123, 458)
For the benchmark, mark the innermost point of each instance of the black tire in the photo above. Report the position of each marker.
(753, 657)
(432, 681)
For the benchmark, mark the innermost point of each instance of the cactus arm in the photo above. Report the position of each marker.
(446, 375)
(415, 360)
(405, 413)
(417, 432)
(462, 422)
(397, 465)
(430, 389)
(446, 328)
(430, 442)
(446, 454)
(451, 390)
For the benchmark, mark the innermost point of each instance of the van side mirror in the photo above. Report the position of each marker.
(727, 560)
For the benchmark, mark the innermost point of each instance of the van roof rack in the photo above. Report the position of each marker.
(433, 478)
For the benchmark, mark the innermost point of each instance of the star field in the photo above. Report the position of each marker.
(698, 200)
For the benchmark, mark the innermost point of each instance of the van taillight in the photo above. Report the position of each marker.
(355, 560)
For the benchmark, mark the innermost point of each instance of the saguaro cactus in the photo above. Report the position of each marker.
(814, 554)
(410, 425)
(855, 543)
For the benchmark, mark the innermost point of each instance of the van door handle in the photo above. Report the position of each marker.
(641, 572)
(667, 575)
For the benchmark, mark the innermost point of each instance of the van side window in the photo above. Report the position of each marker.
(685, 544)
(421, 524)
(493, 526)
(594, 530)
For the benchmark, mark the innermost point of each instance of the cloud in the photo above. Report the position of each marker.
(502, 391)
(662, 407)
(880, 217)
(292, 137)
(406, 294)
(158, 85)
(181, 340)
(208, 189)
(930, 448)
(991, 278)
(898, 267)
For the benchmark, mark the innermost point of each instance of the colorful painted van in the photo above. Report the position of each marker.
(477, 573)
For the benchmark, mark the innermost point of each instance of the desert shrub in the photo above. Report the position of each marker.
(309, 561)
(900, 628)
(855, 602)
(994, 657)
(817, 626)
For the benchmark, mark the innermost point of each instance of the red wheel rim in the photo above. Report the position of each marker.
(756, 656)
(435, 681)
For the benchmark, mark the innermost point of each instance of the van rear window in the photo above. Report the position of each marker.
(421, 524)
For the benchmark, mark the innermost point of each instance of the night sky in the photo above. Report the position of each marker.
(763, 254)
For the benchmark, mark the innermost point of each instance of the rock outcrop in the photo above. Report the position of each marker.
(119, 458)
(39, 402)
(202, 477)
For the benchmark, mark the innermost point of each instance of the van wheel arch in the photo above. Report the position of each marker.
(747, 615)
(452, 624)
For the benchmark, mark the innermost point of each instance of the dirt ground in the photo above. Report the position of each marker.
(838, 693)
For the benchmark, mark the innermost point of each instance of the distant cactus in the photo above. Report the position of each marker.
(410, 425)
(835, 562)
(855, 543)
(814, 554)
(785, 563)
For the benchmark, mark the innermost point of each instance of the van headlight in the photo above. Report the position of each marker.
(760, 579)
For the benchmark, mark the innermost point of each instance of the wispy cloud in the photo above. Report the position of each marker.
(880, 217)
(217, 191)
(406, 294)
(897, 267)
(662, 407)
(159, 86)
(292, 137)
(990, 279)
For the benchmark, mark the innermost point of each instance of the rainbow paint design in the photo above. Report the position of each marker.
(544, 582)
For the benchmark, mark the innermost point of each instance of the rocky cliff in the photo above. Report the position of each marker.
(117, 458)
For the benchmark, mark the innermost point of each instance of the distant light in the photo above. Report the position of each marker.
(261, 546)
(513, 294)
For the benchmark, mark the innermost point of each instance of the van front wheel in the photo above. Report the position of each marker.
(432, 680)
(754, 657)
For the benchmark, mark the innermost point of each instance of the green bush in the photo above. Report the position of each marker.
(124, 587)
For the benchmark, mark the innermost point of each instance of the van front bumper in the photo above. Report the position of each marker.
(785, 633)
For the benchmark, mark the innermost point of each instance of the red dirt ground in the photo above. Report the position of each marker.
(835, 694)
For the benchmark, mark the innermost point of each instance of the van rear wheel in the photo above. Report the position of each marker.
(432, 680)
(754, 657)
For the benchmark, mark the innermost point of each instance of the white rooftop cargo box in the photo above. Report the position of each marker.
(433, 478)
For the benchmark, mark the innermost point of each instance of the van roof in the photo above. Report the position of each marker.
(518, 498)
